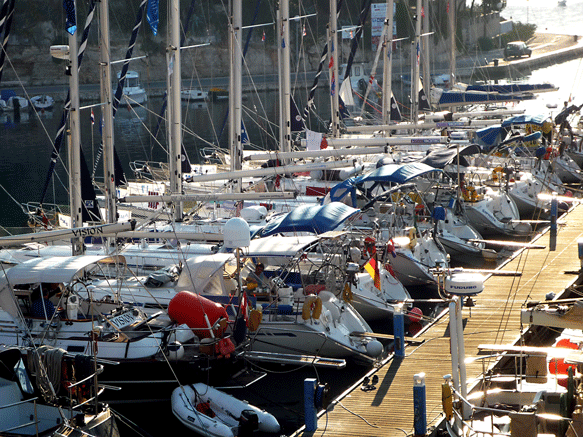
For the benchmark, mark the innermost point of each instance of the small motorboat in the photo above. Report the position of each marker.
(193, 95)
(42, 102)
(13, 103)
(212, 412)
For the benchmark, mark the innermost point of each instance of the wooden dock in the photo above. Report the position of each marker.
(495, 319)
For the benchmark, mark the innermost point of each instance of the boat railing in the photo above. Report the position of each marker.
(22, 425)
(94, 391)
(42, 216)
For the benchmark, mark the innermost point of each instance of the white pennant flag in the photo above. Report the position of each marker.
(313, 140)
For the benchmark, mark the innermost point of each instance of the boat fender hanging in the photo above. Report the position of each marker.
(347, 293)
(312, 307)
(446, 400)
(412, 238)
(254, 321)
(322, 396)
(439, 213)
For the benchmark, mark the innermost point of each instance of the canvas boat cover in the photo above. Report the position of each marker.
(316, 219)
(441, 157)
(525, 119)
(53, 270)
(390, 173)
(277, 245)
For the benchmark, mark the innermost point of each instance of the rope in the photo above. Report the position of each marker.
(46, 363)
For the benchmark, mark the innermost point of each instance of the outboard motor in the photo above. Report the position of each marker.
(248, 422)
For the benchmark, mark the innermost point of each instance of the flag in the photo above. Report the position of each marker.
(263, 37)
(152, 15)
(313, 140)
(422, 12)
(244, 136)
(282, 38)
(92, 117)
(372, 267)
(447, 10)
(71, 21)
(333, 85)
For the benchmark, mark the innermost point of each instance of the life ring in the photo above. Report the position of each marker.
(347, 293)
(412, 238)
(254, 320)
(312, 307)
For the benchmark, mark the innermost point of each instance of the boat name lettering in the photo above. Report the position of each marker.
(423, 141)
(450, 124)
(122, 320)
(83, 232)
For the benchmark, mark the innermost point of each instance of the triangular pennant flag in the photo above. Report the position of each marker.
(153, 15)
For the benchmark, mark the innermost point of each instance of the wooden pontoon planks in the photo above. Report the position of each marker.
(495, 319)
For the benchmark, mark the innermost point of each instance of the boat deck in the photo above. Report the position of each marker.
(495, 319)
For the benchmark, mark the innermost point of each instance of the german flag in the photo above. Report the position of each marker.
(372, 267)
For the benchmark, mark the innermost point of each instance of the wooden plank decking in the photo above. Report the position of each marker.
(388, 410)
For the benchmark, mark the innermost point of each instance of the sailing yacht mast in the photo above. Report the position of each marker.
(75, 199)
(284, 51)
(174, 109)
(235, 105)
(425, 42)
(334, 59)
(107, 111)
(388, 63)
(415, 53)
(452, 60)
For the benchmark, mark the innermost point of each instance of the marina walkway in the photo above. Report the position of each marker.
(495, 319)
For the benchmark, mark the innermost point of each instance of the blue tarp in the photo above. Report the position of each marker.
(396, 173)
(525, 119)
(489, 136)
(310, 218)
(390, 173)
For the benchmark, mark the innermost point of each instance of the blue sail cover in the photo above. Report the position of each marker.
(489, 136)
(310, 218)
(390, 173)
(525, 119)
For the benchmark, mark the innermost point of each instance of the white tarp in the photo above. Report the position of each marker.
(279, 246)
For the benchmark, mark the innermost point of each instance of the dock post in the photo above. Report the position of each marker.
(310, 413)
(553, 231)
(580, 251)
(399, 331)
(419, 404)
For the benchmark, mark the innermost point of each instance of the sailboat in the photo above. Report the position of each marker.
(34, 402)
